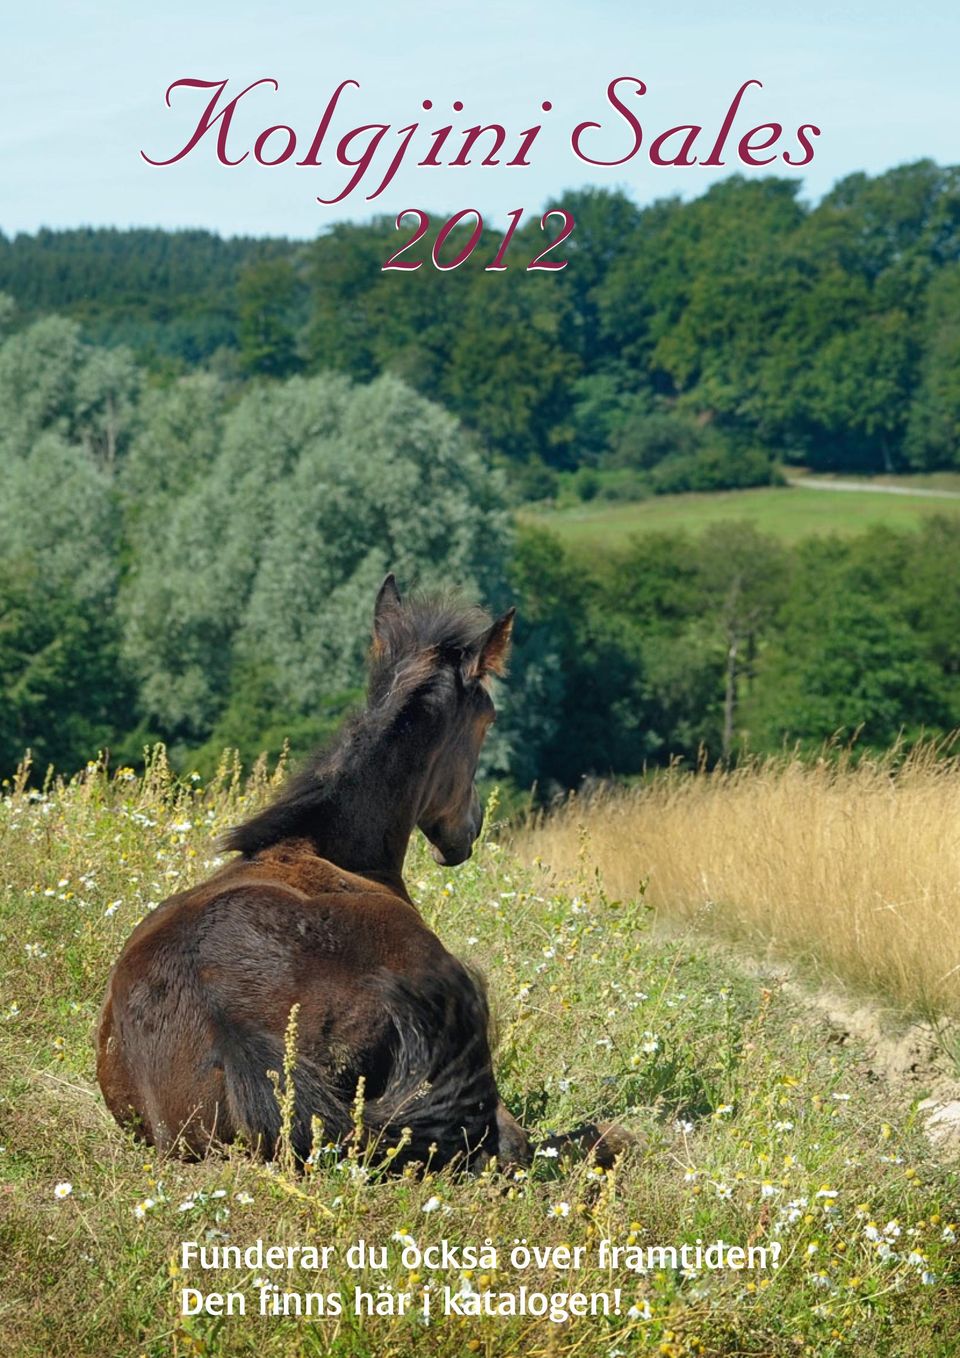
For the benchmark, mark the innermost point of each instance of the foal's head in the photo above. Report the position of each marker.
(433, 658)
(411, 757)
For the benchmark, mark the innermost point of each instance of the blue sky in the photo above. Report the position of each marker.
(83, 93)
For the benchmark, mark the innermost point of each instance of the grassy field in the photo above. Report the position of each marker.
(788, 512)
(755, 1129)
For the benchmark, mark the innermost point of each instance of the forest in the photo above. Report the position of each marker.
(212, 450)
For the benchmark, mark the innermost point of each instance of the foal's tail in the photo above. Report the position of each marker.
(440, 1100)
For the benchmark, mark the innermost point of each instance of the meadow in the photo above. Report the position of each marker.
(753, 1126)
(789, 513)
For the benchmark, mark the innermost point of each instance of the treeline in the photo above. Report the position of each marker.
(171, 296)
(195, 561)
(686, 345)
(710, 646)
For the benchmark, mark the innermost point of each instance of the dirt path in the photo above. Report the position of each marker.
(924, 492)
(914, 1060)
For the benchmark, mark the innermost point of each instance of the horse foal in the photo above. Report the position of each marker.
(314, 912)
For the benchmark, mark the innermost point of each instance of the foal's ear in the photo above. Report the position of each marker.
(388, 601)
(488, 654)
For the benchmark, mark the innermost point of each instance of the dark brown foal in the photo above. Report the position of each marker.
(314, 912)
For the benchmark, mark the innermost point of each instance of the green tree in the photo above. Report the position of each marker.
(510, 369)
(178, 437)
(933, 432)
(859, 670)
(38, 368)
(267, 298)
(743, 582)
(105, 395)
(579, 702)
(63, 691)
(846, 655)
(318, 488)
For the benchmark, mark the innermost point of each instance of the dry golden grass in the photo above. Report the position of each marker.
(854, 867)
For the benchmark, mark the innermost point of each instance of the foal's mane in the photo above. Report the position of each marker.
(412, 645)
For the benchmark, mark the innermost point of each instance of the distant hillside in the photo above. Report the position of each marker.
(170, 293)
(685, 346)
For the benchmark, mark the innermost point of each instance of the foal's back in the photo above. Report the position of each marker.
(200, 999)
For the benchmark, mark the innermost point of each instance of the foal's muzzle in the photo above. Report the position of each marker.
(452, 847)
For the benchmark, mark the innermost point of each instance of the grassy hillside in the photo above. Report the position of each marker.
(756, 1129)
(788, 512)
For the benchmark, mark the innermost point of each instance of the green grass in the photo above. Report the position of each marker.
(788, 512)
(755, 1129)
